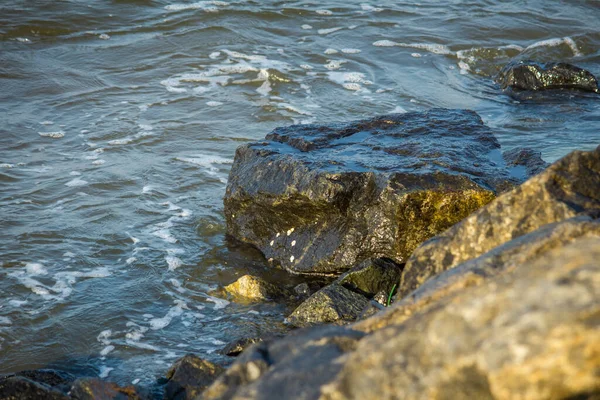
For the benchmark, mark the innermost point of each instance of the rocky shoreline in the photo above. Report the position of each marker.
(449, 269)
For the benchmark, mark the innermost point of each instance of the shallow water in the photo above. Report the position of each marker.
(119, 124)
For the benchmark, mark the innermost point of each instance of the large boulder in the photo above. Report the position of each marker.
(15, 387)
(568, 188)
(530, 75)
(319, 199)
(533, 333)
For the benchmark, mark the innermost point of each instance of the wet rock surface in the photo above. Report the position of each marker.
(371, 277)
(15, 387)
(236, 347)
(531, 76)
(189, 376)
(319, 199)
(525, 162)
(568, 188)
(332, 304)
(95, 389)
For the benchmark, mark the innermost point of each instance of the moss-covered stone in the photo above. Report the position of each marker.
(372, 276)
(332, 304)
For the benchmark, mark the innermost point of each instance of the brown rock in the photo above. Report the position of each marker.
(96, 389)
(252, 288)
(189, 376)
(533, 333)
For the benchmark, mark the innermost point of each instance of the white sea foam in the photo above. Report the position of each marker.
(209, 6)
(330, 51)
(76, 182)
(306, 27)
(46, 123)
(103, 36)
(351, 51)
(557, 42)
(335, 64)
(104, 371)
(324, 12)
(104, 352)
(219, 303)
(214, 103)
(329, 30)
(398, 110)
(173, 262)
(214, 55)
(160, 323)
(130, 260)
(431, 47)
(368, 7)
(53, 135)
(35, 269)
(5, 321)
(17, 303)
(6, 165)
(104, 336)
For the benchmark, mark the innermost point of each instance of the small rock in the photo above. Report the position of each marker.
(235, 347)
(302, 290)
(372, 308)
(189, 376)
(381, 298)
(530, 75)
(252, 288)
(372, 276)
(95, 389)
(332, 304)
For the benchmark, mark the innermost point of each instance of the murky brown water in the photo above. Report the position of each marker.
(119, 121)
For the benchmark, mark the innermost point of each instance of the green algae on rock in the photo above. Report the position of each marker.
(530, 75)
(318, 199)
(251, 288)
(568, 188)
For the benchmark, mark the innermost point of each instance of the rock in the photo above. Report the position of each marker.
(235, 347)
(320, 199)
(371, 277)
(291, 368)
(506, 257)
(14, 387)
(525, 162)
(189, 376)
(252, 288)
(382, 297)
(332, 304)
(372, 308)
(530, 75)
(302, 290)
(568, 188)
(533, 333)
(96, 389)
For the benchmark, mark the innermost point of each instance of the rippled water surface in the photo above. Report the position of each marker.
(119, 121)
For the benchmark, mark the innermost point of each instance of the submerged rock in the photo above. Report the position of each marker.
(530, 75)
(319, 199)
(332, 304)
(189, 376)
(568, 188)
(529, 161)
(95, 389)
(252, 288)
(371, 277)
(236, 347)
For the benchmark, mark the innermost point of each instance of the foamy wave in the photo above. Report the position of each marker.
(557, 42)
(76, 182)
(209, 6)
(433, 48)
(53, 135)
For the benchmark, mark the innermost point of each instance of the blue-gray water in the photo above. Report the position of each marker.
(119, 121)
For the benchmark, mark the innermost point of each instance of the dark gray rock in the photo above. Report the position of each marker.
(371, 277)
(96, 389)
(525, 162)
(568, 188)
(189, 376)
(236, 347)
(14, 387)
(530, 75)
(319, 199)
(294, 367)
(332, 304)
